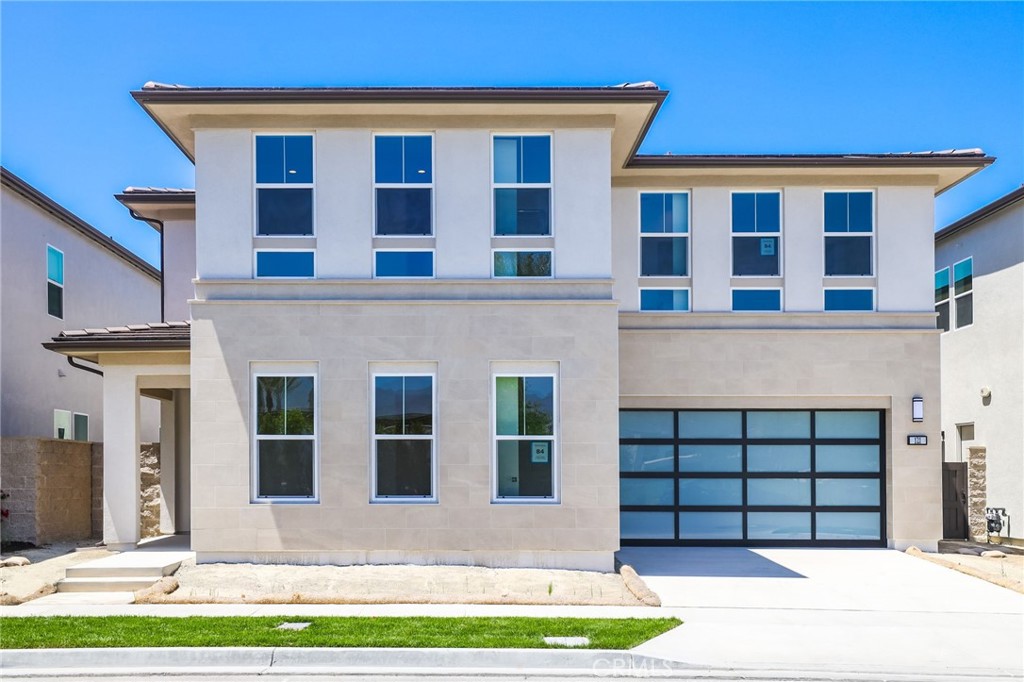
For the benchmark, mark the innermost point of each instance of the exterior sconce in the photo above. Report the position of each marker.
(918, 408)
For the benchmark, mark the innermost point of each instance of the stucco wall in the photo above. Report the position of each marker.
(463, 339)
(800, 369)
(99, 290)
(989, 353)
(179, 267)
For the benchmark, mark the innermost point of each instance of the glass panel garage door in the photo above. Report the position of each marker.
(753, 478)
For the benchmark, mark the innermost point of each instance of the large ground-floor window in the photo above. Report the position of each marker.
(754, 477)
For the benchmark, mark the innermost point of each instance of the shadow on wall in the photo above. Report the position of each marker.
(705, 562)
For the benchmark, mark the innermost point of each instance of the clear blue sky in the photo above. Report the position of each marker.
(744, 77)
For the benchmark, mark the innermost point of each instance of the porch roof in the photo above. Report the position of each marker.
(152, 336)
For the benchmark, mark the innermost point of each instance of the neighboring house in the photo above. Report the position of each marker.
(979, 298)
(58, 272)
(474, 325)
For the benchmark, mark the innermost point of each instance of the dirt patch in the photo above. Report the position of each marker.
(23, 583)
(1006, 571)
(287, 584)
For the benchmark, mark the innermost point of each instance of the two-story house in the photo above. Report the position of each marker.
(979, 301)
(473, 325)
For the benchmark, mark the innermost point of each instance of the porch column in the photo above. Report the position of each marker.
(121, 475)
(168, 463)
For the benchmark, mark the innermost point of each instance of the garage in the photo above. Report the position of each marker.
(752, 477)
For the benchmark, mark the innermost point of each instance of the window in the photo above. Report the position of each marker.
(963, 286)
(522, 263)
(55, 282)
(284, 185)
(664, 300)
(403, 263)
(756, 233)
(403, 180)
(81, 426)
(849, 224)
(525, 446)
(284, 263)
(285, 424)
(756, 300)
(849, 300)
(942, 299)
(522, 185)
(664, 234)
(63, 425)
(403, 438)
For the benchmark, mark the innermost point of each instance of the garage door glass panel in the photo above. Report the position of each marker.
(847, 526)
(710, 458)
(846, 424)
(711, 525)
(646, 457)
(647, 525)
(645, 425)
(779, 526)
(710, 424)
(778, 425)
(795, 458)
(852, 458)
(646, 491)
(702, 492)
(778, 492)
(847, 492)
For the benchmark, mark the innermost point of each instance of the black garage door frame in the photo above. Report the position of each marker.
(676, 475)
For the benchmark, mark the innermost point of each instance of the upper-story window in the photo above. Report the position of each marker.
(942, 299)
(664, 234)
(284, 185)
(963, 287)
(403, 181)
(849, 227)
(756, 233)
(285, 263)
(522, 263)
(522, 185)
(55, 282)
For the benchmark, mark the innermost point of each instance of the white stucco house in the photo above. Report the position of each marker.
(979, 298)
(474, 325)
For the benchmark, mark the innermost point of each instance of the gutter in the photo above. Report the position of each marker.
(160, 229)
(85, 368)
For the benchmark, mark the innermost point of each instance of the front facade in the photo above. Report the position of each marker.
(979, 299)
(475, 326)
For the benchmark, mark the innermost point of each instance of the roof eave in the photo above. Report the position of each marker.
(1003, 202)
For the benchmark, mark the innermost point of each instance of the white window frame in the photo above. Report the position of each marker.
(404, 185)
(70, 432)
(847, 235)
(949, 297)
(874, 299)
(281, 185)
(556, 462)
(433, 263)
(50, 281)
(756, 234)
(255, 259)
(550, 185)
(374, 437)
(684, 235)
(782, 301)
(953, 296)
(300, 370)
(550, 252)
(689, 300)
(74, 426)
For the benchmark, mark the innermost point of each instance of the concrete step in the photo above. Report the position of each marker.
(87, 570)
(105, 584)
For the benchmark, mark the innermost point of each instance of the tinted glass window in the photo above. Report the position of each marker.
(404, 468)
(54, 265)
(285, 212)
(284, 159)
(522, 211)
(753, 300)
(522, 263)
(848, 256)
(676, 300)
(860, 212)
(387, 158)
(743, 212)
(54, 300)
(403, 159)
(663, 256)
(284, 264)
(81, 427)
(755, 212)
(285, 468)
(633, 424)
(525, 405)
(963, 275)
(664, 213)
(531, 462)
(942, 321)
(404, 263)
(522, 160)
(942, 285)
(783, 424)
(846, 424)
(964, 310)
(849, 299)
(284, 405)
(403, 211)
(646, 491)
(836, 212)
(755, 256)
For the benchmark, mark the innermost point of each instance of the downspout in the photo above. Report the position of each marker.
(153, 222)
(71, 361)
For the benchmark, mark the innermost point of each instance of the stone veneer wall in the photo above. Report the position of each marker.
(149, 507)
(977, 494)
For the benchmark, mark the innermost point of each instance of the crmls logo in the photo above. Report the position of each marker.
(629, 666)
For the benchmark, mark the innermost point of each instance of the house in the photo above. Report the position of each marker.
(979, 298)
(57, 272)
(474, 325)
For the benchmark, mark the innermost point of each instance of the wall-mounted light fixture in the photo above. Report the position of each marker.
(918, 408)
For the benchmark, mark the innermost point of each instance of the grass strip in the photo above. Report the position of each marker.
(70, 632)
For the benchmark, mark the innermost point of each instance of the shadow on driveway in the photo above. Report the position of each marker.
(705, 562)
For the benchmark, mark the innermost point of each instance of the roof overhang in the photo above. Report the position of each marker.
(968, 221)
(92, 344)
(157, 205)
(628, 110)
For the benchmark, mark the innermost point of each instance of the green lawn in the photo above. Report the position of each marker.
(148, 631)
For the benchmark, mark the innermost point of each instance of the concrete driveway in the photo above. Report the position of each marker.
(840, 610)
